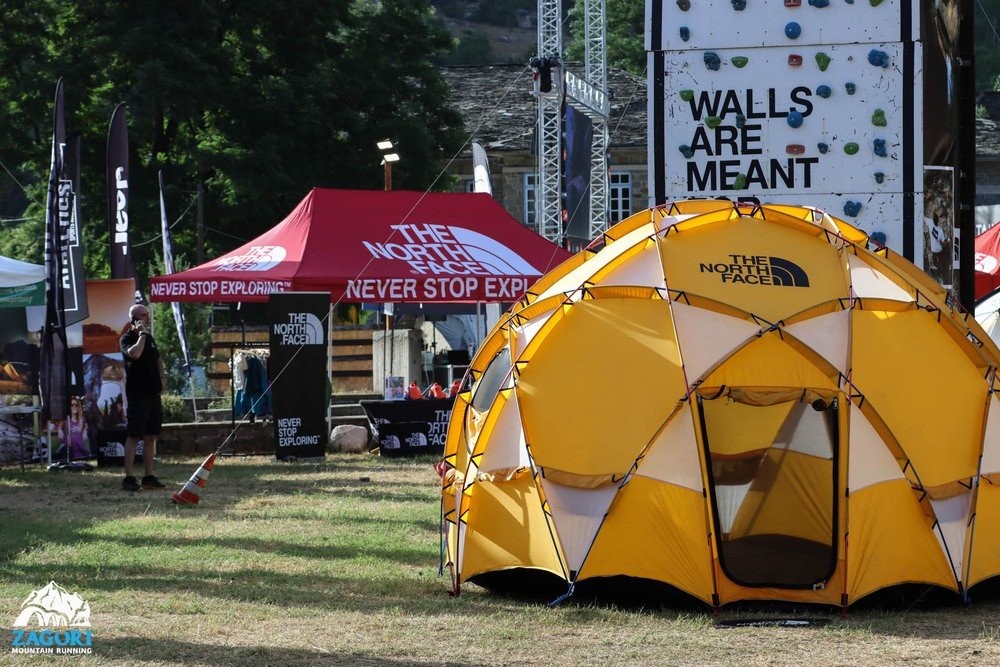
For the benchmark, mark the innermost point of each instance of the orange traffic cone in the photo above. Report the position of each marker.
(189, 494)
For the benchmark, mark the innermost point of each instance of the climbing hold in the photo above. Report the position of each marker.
(739, 5)
(878, 58)
(819, 4)
(852, 208)
(685, 33)
(823, 91)
(684, 5)
(712, 60)
(879, 147)
(793, 3)
(740, 61)
(878, 237)
(686, 151)
(823, 61)
(875, 3)
(795, 149)
(740, 120)
(794, 60)
(792, 30)
(851, 148)
(879, 177)
(878, 118)
(713, 121)
(687, 95)
(823, 147)
(794, 118)
(740, 182)
(850, 87)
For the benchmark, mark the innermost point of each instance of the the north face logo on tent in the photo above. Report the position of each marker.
(256, 258)
(757, 270)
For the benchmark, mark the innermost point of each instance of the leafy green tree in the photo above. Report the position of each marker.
(624, 23)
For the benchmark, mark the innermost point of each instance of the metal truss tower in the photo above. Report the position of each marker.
(548, 182)
(591, 93)
(596, 74)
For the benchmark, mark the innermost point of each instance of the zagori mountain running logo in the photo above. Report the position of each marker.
(67, 613)
(300, 329)
(256, 258)
(757, 270)
(457, 251)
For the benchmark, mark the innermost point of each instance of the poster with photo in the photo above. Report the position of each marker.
(104, 368)
(939, 230)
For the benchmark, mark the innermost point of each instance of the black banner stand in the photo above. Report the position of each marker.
(297, 373)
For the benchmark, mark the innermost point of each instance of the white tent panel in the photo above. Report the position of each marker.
(953, 519)
(673, 456)
(869, 283)
(507, 448)
(828, 335)
(870, 461)
(706, 337)
(577, 514)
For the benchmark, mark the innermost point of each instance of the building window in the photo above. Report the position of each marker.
(620, 196)
(469, 185)
(529, 181)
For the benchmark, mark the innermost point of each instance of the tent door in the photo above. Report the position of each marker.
(773, 485)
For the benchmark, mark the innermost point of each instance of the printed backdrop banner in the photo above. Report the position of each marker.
(405, 428)
(297, 373)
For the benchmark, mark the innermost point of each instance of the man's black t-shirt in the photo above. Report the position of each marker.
(142, 375)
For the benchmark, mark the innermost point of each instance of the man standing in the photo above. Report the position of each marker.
(144, 380)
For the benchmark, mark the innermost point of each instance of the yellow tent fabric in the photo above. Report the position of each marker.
(736, 402)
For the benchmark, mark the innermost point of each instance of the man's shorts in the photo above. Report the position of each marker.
(143, 416)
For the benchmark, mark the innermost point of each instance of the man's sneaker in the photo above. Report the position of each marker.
(149, 482)
(129, 484)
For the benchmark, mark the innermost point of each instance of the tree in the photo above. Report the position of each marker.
(258, 106)
(624, 24)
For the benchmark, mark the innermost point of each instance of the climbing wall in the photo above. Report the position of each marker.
(815, 103)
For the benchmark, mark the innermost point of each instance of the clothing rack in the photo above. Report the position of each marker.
(259, 349)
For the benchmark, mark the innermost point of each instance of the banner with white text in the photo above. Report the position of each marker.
(297, 373)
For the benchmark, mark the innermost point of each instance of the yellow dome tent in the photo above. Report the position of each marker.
(741, 403)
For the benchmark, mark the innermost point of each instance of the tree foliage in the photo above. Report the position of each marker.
(256, 105)
(624, 23)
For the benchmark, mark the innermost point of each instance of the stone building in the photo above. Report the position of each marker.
(500, 113)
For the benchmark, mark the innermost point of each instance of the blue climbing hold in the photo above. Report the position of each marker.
(712, 60)
(685, 33)
(823, 147)
(878, 58)
(823, 91)
(878, 237)
(794, 118)
(739, 5)
(741, 120)
(879, 177)
(850, 87)
(686, 151)
(792, 30)
(879, 147)
(819, 4)
(852, 208)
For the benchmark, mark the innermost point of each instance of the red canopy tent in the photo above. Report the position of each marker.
(376, 246)
(988, 262)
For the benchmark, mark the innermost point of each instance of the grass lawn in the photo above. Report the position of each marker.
(337, 563)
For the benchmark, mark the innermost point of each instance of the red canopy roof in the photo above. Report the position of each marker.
(376, 246)
(988, 262)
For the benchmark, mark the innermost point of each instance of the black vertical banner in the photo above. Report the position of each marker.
(53, 377)
(122, 264)
(579, 130)
(75, 276)
(297, 372)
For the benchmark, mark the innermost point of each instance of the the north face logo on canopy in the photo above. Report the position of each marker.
(256, 258)
(757, 270)
(444, 250)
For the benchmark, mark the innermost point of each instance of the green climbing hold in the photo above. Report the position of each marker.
(878, 118)
(713, 121)
(823, 61)
(687, 95)
(875, 3)
(851, 148)
(740, 61)
(740, 182)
